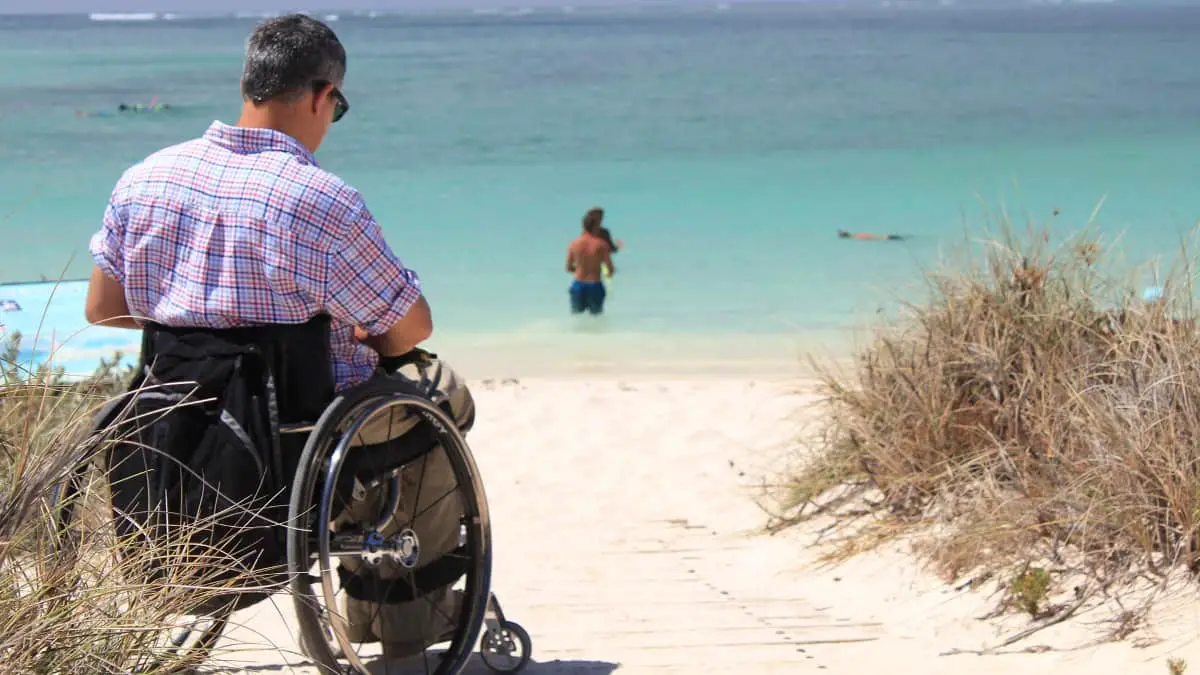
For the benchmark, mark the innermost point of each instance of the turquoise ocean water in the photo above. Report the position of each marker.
(726, 146)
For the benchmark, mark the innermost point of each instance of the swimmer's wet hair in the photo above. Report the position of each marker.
(286, 55)
(593, 219)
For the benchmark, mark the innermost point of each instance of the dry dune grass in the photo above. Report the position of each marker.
(82, 603)
(1033, 409)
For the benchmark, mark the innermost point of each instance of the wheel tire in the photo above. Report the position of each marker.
(516, 633)
(311, 472)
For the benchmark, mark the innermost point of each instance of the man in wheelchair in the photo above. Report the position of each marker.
(265, 282)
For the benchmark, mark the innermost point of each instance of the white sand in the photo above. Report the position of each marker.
(626, 540)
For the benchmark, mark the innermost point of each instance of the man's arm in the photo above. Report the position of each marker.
(571, 258)
(411, 330)
(368, 287)
(106, 303)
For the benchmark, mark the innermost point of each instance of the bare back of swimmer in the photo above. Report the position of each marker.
(842, 234)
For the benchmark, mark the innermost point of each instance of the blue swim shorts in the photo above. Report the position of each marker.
(587, 296)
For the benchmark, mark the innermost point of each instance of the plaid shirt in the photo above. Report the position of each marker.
(241, 227)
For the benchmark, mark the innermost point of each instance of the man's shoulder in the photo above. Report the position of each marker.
(294, 185)
(190, 146)
(324, 196)
(165, 158)
(325, 184)
(588, 241)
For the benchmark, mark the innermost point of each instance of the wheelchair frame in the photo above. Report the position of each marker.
(326, 450)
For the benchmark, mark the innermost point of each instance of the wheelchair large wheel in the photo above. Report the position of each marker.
(444, 593)
(80, 496)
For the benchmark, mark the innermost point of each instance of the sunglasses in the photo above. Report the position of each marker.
(340, 105)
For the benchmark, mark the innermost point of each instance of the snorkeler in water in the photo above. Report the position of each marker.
(143, 107)
(151, 107)
(843, 234)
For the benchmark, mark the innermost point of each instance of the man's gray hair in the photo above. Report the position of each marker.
(286, 55)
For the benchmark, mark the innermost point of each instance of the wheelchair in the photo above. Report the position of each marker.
(333, 469)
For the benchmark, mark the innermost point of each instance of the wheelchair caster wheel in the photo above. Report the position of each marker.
(507, 650)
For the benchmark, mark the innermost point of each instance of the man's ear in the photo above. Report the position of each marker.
(320, 98)
(315, 104)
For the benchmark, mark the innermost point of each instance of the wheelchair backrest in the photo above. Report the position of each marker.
(297, 356)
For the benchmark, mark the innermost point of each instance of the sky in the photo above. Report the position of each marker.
(84, 6)
(209, 6)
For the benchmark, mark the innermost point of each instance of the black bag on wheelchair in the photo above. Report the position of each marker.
(195, 467)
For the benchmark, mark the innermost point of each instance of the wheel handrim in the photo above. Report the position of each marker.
(477, 578)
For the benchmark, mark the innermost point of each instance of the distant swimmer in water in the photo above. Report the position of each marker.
(126, 108)
(842, 234)
(143, 107)
(9, 306)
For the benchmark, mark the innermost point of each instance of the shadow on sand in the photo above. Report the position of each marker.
(474, 667)
(556, 667)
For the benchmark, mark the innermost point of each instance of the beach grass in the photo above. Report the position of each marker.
(1034, 411)
(80, 601)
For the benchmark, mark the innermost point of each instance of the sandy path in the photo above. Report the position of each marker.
(623, 523)
(625, 535)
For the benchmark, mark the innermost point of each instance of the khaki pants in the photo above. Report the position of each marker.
(411, 627)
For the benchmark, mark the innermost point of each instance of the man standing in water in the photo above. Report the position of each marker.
(586, 256)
